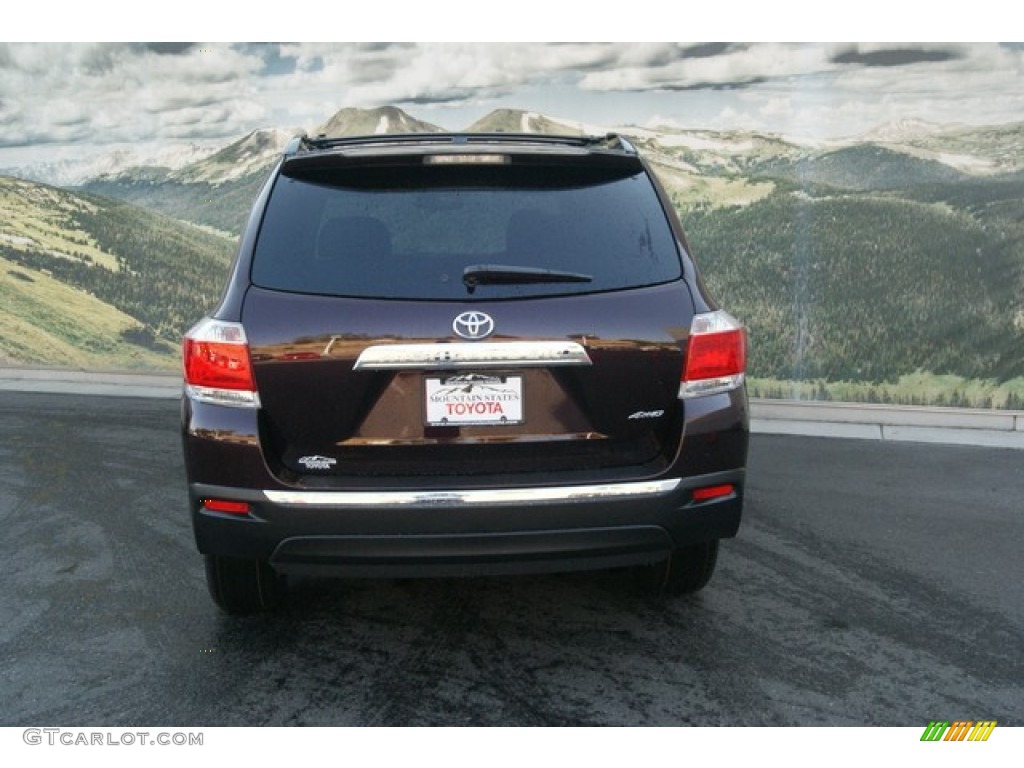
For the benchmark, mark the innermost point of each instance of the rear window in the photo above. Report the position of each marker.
(412, 232)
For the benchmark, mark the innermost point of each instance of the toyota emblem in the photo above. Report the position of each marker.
(473, 325)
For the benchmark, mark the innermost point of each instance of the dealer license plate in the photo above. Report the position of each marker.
(472, 399)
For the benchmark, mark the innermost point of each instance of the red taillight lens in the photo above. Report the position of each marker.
(224, 505)
(215, 356)
(217, 364)
(716, 355)
(713, 492)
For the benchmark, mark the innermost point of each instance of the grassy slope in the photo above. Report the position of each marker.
(94, 283)
(43, 217)
(45, 322)
(690, 190)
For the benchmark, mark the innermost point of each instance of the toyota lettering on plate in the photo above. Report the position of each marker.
(474, 399)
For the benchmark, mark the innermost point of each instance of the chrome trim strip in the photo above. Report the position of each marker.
(701, 387)
(360, 442)
(233, 398)
(471, 498)
(483, 354)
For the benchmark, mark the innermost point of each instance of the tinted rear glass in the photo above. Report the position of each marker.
(410, 232)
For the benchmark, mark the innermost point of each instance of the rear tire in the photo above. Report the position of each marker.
(242, 586)
(687, 570)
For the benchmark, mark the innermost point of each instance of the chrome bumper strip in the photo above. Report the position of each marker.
(472, 497)
(484, 354)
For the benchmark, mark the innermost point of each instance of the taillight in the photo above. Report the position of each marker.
(225, 505)
(716, 355)
(713, 492)
(215, 355)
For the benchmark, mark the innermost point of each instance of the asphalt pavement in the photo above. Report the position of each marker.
(872, 583)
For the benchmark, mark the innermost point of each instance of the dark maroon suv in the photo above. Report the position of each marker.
(460, 354)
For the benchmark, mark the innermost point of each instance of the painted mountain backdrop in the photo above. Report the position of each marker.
(889, 267)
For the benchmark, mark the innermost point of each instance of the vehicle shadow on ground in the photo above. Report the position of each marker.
(545, 650)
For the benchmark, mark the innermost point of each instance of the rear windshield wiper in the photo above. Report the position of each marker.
(501, 274)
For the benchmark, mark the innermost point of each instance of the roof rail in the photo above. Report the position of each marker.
(295, 143)
(304, 143)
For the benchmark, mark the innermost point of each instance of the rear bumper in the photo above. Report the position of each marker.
(467, 532)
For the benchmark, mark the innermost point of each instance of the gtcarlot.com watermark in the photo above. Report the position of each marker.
(69, 737)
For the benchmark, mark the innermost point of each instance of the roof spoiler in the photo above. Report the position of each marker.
(610, 141)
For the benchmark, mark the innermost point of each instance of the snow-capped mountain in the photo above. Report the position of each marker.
(73, 171)
(252, 153)
(352, 121)
(521, 121)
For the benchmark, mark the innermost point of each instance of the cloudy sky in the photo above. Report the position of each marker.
(61, 98)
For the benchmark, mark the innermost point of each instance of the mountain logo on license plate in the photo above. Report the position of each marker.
(474, 399)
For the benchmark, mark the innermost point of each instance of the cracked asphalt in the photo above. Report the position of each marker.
(871, 584)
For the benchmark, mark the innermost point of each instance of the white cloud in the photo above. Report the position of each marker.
(133, 93)
(72, 91)
(373, 75)
(735, 66)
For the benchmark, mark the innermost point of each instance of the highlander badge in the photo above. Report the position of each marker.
(317, 462)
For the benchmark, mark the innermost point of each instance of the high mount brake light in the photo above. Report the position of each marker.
(716, 355)
(215, 356)
(466, 159)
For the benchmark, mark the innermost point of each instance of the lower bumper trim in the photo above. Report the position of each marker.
(472, 554)
(482, 497)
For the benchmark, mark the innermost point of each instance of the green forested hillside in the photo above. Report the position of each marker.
(863, 167)
(169, 274)
(223, 207)
(868, 287)
(100, 282)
